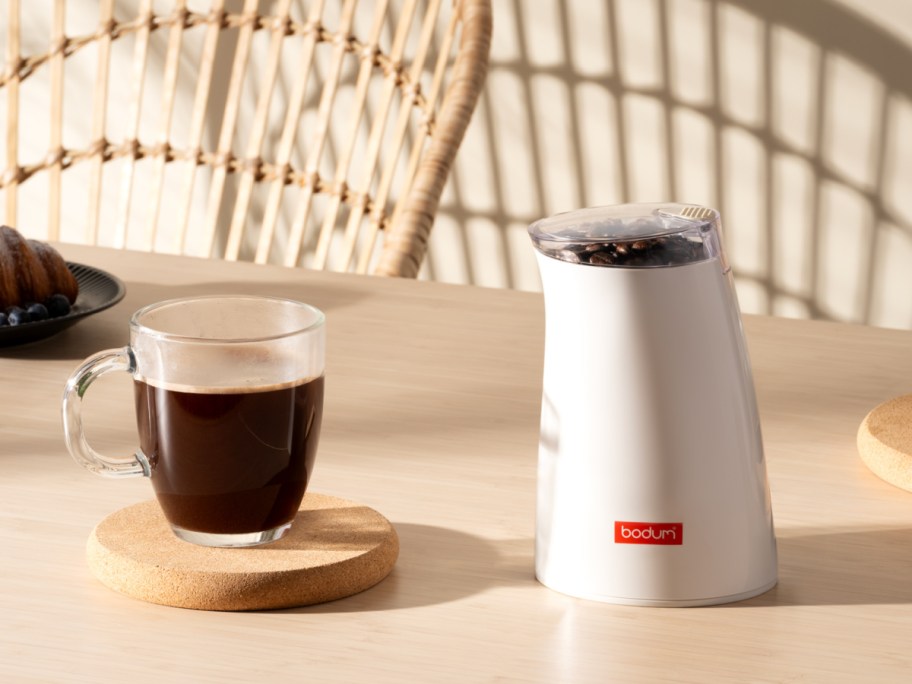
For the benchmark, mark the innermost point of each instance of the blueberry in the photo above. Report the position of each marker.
(12, 309)
(37, 312)
(3, 320)
(57, 305)
(18, 316)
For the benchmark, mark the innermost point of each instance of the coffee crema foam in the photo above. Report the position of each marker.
(255, 385)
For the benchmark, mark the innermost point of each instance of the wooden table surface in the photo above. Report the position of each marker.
(432, 419)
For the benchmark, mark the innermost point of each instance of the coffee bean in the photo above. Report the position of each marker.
(602, 259)
(669, 250)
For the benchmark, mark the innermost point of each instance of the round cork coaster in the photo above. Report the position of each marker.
(335, 548)
(885, 441)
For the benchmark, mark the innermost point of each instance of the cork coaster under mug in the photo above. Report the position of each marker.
(335, 548)
(885, 441)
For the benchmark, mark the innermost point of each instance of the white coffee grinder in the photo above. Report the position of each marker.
(652, 484)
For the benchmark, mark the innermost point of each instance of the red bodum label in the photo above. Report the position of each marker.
(666, 534)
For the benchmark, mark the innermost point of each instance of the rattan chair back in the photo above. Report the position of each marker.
(315, 132)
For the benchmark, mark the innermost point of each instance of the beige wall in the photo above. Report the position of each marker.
(792, 116)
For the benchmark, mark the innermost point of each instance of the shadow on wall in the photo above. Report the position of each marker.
(792, 118)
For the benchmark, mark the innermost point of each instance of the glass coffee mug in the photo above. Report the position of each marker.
(229, 400)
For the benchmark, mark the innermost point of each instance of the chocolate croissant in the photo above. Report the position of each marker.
(31, 271)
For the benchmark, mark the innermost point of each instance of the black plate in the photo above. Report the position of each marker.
(97, 291)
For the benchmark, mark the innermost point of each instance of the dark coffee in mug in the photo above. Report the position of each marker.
(230, 460)
(229, 400)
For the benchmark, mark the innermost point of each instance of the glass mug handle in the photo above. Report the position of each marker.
(93, 368)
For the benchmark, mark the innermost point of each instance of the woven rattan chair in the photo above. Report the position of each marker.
(315, 132)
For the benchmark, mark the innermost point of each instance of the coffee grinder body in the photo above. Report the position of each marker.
(652, 484)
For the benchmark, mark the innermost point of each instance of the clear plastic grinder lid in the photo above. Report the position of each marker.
(631, 235)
